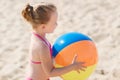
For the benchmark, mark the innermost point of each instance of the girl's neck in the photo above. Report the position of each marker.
(40, 33)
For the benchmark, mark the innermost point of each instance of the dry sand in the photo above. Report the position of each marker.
(99, 19)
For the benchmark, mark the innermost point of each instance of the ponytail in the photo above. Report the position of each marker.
(40, 15)
(28, 13)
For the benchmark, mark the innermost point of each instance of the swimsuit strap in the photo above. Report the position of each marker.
(35, 62)
(49, 45)
(40, 37)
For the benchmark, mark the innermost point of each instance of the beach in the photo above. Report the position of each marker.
(99, 19)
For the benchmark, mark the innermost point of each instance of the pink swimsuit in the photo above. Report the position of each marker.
(49, 45)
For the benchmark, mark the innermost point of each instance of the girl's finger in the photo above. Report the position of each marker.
(82, 69)
(78, 71)
(74, 58)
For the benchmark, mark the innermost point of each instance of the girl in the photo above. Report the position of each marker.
(43, 19)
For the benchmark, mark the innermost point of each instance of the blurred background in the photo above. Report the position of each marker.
(99, 19)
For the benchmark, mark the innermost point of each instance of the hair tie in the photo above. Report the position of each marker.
(30, 10)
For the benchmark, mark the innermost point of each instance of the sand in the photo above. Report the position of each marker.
(99, 19)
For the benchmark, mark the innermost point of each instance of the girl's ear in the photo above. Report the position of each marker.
(43, 26)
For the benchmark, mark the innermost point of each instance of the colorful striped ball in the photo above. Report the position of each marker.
(70, 44)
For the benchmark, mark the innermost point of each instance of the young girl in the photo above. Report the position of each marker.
(43, 19)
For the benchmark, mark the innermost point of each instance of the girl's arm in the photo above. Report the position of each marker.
(48, 66)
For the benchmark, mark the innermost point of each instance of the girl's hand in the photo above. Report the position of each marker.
(78, 65)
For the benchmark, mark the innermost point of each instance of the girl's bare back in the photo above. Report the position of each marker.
(36, 70)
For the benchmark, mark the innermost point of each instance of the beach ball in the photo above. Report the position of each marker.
(70, 44)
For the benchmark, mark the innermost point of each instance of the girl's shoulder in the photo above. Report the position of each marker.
(38, 49)
(37, 43)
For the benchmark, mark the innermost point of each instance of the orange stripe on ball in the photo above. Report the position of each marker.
(86, 51)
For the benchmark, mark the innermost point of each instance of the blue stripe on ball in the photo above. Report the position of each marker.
(67, 39)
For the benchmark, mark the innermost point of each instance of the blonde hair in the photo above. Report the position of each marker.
(39, 15)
